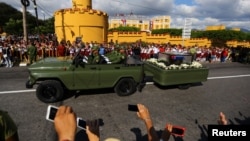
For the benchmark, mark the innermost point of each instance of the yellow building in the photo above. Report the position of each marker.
(92, 25)
(220, 27)
(131, 20)
(121, 37)
(161, 22)
(142, 22)
(216, 27)
(81, 21)
(235, 29)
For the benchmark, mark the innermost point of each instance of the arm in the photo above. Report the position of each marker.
(10, 129)
(167, 132)
(92, 130)
(145, 116)
(222, 119)
(65, 124)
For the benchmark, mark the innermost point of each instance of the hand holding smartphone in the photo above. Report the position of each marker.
(133, 108)
(81, 123)
(178, 131)
(51, 114)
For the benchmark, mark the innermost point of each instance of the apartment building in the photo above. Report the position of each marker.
(143, 22)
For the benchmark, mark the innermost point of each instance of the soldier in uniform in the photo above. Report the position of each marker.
(32, 51)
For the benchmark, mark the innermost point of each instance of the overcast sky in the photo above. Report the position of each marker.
(232, 13)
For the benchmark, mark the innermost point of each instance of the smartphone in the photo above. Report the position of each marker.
(178, 131)
(133, 108)
(51, 113)
(81, 123)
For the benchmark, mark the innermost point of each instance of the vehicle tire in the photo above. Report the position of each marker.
(184, 86)
(125, 87)
(50, 91)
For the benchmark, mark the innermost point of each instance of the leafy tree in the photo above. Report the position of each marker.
(248, 37)
(171, 31)
(47, 26)
(7, 12)
(14, 27)
(125, 28)
(220, 37)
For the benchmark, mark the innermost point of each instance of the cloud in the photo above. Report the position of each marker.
(233, 13)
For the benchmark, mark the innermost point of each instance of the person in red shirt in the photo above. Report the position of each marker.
(61, 49)
(224, 55)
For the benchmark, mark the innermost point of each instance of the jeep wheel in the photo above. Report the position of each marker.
(125, 87)
(49, 91)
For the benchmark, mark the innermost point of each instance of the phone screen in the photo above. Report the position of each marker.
(133, 108)
(52, 113)
(81, 123)
(178, 131)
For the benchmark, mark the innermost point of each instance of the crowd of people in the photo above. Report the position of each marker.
(15, 51)
(65, 125)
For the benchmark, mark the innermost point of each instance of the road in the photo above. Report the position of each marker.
(227, 90)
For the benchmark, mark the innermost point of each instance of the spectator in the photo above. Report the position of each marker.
(32, 51)
(143, 114)
(193, 52)
(8, 128)
(61, 49)
(224, 55)
(101, 50)
(65, 125)
(7, 54)
(222, 119)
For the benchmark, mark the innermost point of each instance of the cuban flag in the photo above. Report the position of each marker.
(151, 25)
(123, 22)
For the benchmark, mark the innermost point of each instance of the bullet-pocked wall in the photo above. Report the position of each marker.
(81, 21)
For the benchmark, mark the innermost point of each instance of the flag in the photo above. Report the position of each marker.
(123, 22)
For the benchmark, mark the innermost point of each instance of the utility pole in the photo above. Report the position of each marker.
(25, 4)
(25, 37)
(37, 24)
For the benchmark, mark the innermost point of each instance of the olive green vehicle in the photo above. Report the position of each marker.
(54, 76)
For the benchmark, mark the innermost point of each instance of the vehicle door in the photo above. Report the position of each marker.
(86, 76)
(110, 73)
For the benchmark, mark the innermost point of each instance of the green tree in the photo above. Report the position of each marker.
(171, 31)
(13, 26)
(248, 36)
(125, 28)
(220, 37)
(47, 26)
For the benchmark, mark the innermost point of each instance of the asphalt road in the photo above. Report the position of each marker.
(227, 90)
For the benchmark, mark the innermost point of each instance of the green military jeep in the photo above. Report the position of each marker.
(54, 76)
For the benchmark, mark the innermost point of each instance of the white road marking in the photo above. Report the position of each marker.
(18, 91)
(219, 77)
(209, 78)
(222, 77)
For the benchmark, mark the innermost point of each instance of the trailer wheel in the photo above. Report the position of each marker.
(184, 86)
(125, 87)
(50, 91)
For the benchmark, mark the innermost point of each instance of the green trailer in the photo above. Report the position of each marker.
(175, 69)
